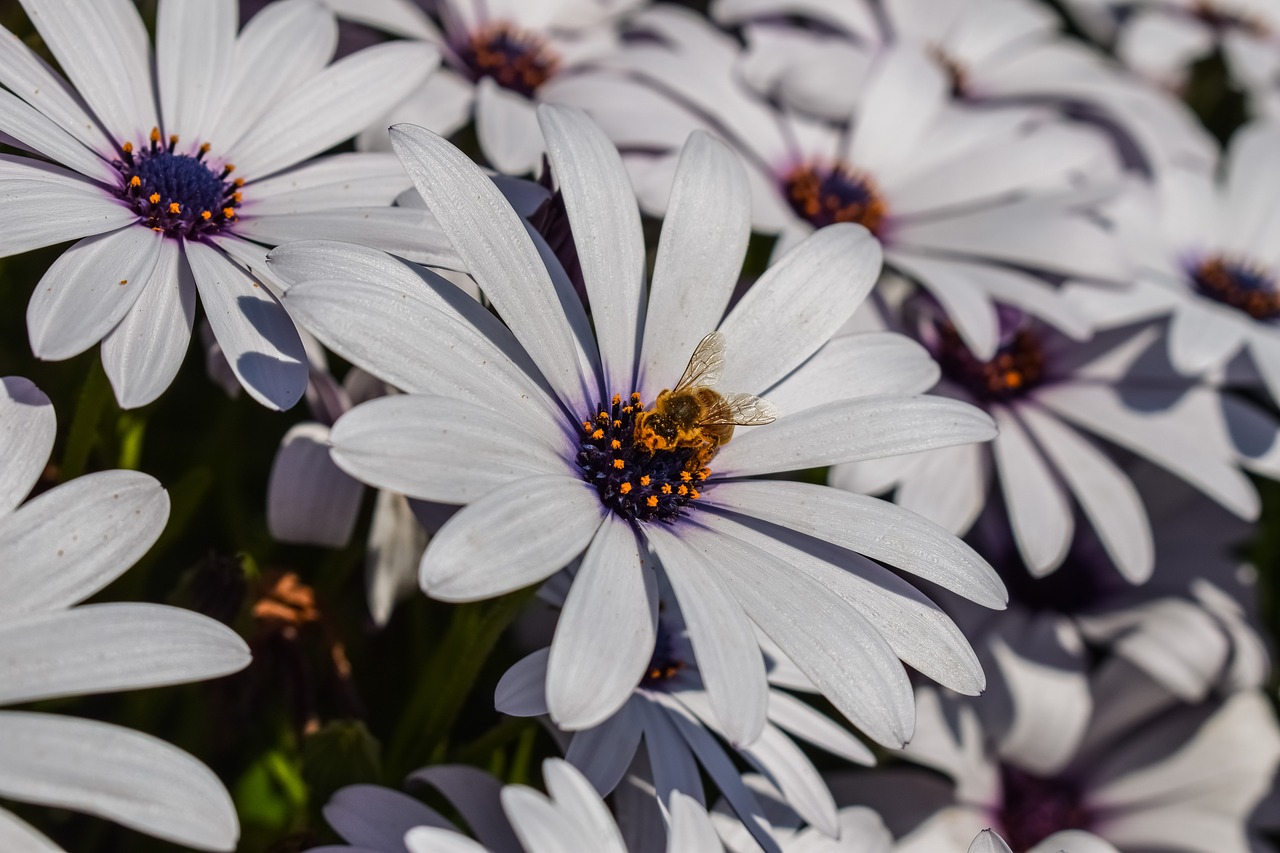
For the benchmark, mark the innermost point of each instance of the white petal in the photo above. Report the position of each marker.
(521, 692)
(40, 133)
(432, 839)
(514, 536)
(857, 365)
(439, 449)
(30, 78)
(1038, 508)
(1252, 179)
(105, 51)
(16, 835)
(805, 722)
(605, 753)
(124, 776)
(723, 640)
(195, 53)
(543, 828)
(71, 541)
(1203, 336)
(309, 499)
(670, 761)
(988, 842)
(99, 648)
(492, 242)
(41, 210)
(283, 46)
(477, 798)
(401, 17)
(260, 341)
(143, 353)
(343, 180)
(958, 288)
(331, 106)
(1076, 841)
(845, 658)
(442, 105)
(700, 254)
(868, 526)
(798, 305)
(1108, 497)
(901, 96)
(1162, 45)
(850, 431)
(392, 554)
(411, 234)
(788, 768)
(574, 795)
(27, 429)
(370, 816)
(949, 487)
(605, 634)
(89, 289)
(507, 128)
(691, 828)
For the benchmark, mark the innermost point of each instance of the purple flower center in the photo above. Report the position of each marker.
(178, 194)
(516, 59)
(1016, 368)
(1242, 286)
(634, 480)
(823, 195)
(1034, 808)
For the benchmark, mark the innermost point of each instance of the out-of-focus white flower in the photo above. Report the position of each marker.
(860, 829)
(1051, 395)
(973, 204)
(55, 551)
(538, 427)
(1206, 255)
(988, 841)
(1145, 773)
(996, 53)
(179, 180)
(569, 817)
(1162, 39)
(502, 58)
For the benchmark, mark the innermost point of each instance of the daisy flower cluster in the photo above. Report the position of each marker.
(801, 426)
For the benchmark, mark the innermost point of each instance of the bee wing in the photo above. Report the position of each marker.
(706, 364)
(742, 410)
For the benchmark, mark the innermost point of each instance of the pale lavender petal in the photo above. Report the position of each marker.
(857, 365)
(392, 554)
(378, 818)
(477, 797)
(604, 753)
(522, 690)
(1038, 508)
(27, 430)
(988, 842)
(310, 500)
(691, 828)
(34, 129)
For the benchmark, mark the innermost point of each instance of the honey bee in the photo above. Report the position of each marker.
(693, 414)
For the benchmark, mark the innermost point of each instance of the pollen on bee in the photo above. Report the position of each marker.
(645, 480)
(619, 464)
(625, 488)
(652, 501)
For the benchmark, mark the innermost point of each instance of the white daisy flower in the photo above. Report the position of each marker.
(1163, 39)
(502, 58)
(1051, 396)
(996, 52)
(310, 501)
(1145, 773)
(545, 430)
(671, 712)
(505, 819)
(972, 204)
(55, 551)
(179, 181)
(1205, 255)
(861, 829)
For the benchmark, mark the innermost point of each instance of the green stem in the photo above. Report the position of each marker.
(95, 396)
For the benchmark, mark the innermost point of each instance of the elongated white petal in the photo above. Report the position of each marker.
(71, 541)
(343, 180)
(433, 839)
(507, 128)
(500, 256)
(858, 365)
(1038, 507)
(958, 288)
(803, 721)
(691, 828)
(516, 535)
(670, 761)
(724, 643)
(603, 754)
(1204, 336)
(948, 486)
(700, 254)
(797, 305)
(988, 842)
(30, 78)
(309, 499)
(606, 231)
(573, 795)
(392, 554)
(439, 449)
(27, 429)
(851, 431)
(34, 129)
(795, 776)
(477, 798)
(41, 210)
(105, 51)
(1108, 497)
(333, 105)
(17, 835)
(522, 690)
(903, 94)
(1083, 841)
(605, 634)
(260, 341)
(410, 234)
(195, 52)
(377, 818)
(89, 289)
(98, 648)
(868, 526)
(124, 776)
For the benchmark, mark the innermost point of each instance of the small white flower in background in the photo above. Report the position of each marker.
(1162, 39)
(310, 501)
(1145, 773)
(502, 58)
(670, 711)
(861, 829)
(538, 428)
(973, 204)
(505, 819)
(1206, 255)
(997, 53)
(56, 550)
(988, 841)
(1051, 397)
(180, 181)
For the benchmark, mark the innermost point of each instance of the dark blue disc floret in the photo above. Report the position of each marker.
(634, 482)
(180, 195)
(1241, 285)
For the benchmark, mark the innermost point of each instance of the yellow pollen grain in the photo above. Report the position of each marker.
(124, 281)
(135, 181)
(229, 212)
(683, 490)
(174, 207)
(586, 426)
(645, 480)
(635, 395)
(238, 182)
(237, 197)
(206, 215)
(619, 464)
(229, 168)
(154, 198)
(204, 148)
(686, 476)
(694, 494)
(626, 410)
(615, 444)
(666, 488)
(173, 140)
(617, 398)
(652, 501)
(617, 424)
(155, 134)
(127, 148)
(625, 488)
(598, 434)
(604, 416)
